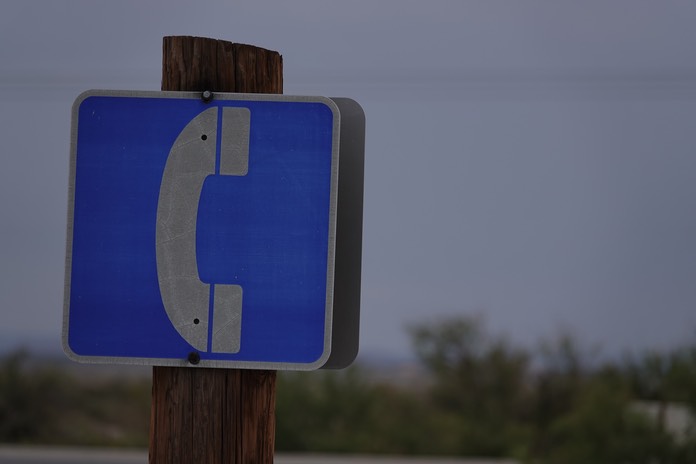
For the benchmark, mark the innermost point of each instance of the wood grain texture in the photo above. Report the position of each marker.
(214, 416)
(197, 63)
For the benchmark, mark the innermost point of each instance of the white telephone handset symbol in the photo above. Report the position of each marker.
(185, 297)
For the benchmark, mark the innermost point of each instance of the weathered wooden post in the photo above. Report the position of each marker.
(214, 416)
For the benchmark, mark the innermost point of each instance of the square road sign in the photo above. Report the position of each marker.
(224, 233)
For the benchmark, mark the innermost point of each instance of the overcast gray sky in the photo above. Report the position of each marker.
(531, 161)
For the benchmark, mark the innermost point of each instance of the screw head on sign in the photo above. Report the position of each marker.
(207, 96)
(194, 358)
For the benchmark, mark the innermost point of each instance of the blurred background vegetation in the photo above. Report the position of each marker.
(468, 393)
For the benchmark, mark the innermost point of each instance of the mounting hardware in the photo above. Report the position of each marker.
(194, 358)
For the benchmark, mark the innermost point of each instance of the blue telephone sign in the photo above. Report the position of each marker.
(214, 233)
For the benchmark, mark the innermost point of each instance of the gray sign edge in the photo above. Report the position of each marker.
(349, 228)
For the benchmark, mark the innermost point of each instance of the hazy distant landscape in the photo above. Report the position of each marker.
(467, 392)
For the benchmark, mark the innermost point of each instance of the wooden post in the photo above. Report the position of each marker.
(214, 416)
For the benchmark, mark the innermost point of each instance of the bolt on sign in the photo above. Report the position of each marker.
(217, 230)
